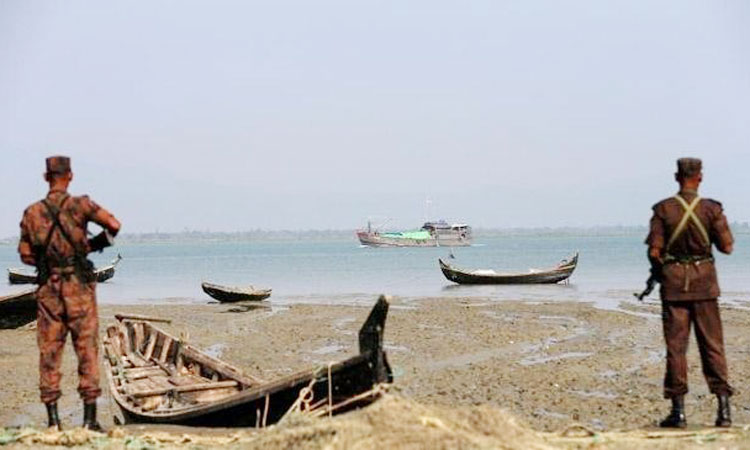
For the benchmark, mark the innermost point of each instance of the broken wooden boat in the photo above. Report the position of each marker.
(235, 294)
(17, 309)
(21, 276)
(561, 272)
(155, 377)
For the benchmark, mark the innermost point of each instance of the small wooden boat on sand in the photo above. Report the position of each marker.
(156, 378)
(18, 302)
(21, 276)
(235, 294)
(549, 276)
(17, 309)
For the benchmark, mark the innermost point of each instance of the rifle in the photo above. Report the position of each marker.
(650, 285)
(654, 277)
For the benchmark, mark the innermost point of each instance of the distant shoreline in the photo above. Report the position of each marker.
(349, 235)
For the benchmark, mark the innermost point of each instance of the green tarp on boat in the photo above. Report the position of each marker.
(417, 234)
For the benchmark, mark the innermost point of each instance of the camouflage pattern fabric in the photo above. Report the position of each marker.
(67, 304)
(67, 299)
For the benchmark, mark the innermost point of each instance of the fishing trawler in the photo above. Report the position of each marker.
(432, 234)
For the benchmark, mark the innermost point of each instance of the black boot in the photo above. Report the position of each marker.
(676, 418)
(723, 415)
(53, 420)
(89, 417)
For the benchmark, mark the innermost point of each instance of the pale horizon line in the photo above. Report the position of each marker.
(737, 227)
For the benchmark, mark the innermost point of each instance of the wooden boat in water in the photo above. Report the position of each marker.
(21, 276)
(156, 378)
(549, 276)
(107, 272)
(17, 309)
(235, 294)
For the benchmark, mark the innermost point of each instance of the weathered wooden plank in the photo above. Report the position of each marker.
(218, 366)
(165, 348)
(150, 346)
(185, 388)
(138, 329)
(140, 317)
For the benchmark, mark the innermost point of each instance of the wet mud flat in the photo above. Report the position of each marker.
(551, 366)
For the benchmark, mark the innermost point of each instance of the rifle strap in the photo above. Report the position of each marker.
(689, 215)
(54, 213)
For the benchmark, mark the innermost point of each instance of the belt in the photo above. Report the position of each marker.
(688, 259)
(685, 261)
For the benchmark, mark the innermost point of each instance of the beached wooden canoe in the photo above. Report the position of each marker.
(156, 378)
(235, 294)
(554, 275)
(18, 302)
(21, 276)
(17, 309)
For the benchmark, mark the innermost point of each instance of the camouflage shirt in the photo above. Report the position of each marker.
(37, 222)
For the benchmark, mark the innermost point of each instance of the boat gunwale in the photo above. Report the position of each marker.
(236, 289)
(547, 276)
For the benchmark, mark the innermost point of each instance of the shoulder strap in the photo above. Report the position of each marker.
(55, 215)
(689, 215)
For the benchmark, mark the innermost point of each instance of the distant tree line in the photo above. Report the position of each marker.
(349, 235)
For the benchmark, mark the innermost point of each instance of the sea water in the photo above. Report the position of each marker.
(610, 269)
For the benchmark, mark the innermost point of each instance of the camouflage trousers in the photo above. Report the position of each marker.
(66, 304)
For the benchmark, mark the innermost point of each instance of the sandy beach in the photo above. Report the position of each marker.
(549, 365)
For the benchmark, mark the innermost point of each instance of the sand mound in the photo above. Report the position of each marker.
(395, 422)
(391, 422)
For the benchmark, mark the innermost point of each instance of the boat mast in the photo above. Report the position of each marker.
(427, 204)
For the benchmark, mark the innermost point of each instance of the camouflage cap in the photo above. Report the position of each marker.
(58, 164)
(687, 167)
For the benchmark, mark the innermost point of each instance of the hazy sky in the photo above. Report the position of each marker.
(317, 114)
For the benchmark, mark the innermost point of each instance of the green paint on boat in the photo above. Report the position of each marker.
(416, 234)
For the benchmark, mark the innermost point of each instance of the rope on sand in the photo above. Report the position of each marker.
(304, 402)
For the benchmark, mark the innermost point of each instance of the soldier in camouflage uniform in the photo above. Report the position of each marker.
(54, 239)
(683, 230)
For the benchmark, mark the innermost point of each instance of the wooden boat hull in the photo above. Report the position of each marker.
(15, 276)
(234, 398)
(231, 295)
(248, 410)
(17, 309)
(560, 273)
(19, 276)
(443, 240)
